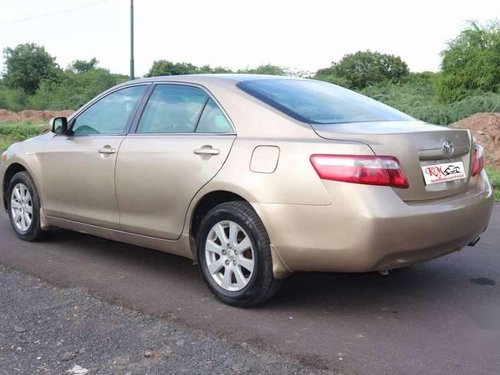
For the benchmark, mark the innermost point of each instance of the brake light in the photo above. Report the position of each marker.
(477, 160)
(360, 169)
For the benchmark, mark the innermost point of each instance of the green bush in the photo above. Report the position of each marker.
(418, 98)
(364, 68)
(74, 89)
(13, 99)
(266, 69)
(169, 68)
(494, 176)
(328, 75)
(471, 62)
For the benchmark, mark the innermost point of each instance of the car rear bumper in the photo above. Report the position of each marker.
(374, 229)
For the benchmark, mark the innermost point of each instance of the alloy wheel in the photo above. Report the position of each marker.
(21, 207)
(230, 256)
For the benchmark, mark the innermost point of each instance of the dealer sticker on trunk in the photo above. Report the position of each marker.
(436, 173)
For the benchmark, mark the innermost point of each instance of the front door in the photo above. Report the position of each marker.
(78, 169)
(181, 142)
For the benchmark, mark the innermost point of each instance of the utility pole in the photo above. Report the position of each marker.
(132, 39)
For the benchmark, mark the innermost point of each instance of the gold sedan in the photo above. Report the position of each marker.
(252, 177)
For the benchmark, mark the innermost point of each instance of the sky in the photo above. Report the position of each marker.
(303, 35)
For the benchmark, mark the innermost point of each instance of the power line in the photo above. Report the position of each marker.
(53, 13)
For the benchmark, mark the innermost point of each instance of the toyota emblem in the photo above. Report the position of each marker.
(448, 148)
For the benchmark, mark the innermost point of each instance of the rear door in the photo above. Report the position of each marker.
(181, 141)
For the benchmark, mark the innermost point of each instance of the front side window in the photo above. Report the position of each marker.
(110, 114)
(172, 109)
(319, 102)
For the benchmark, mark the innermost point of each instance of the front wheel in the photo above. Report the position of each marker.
(234, 255)
(24, 207)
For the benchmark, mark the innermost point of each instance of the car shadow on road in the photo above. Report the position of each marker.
(143, 270)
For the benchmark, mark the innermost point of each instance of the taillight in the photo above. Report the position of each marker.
(360, 169)
(477, 160)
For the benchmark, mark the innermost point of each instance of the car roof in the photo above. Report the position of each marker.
(212, 78)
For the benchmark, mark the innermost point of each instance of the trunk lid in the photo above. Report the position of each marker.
(415, 144)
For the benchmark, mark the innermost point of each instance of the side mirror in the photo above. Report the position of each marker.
(59, 125)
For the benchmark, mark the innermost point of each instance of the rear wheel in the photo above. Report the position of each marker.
(235, 256)
(24, 207)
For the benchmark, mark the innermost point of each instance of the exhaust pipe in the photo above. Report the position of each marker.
(474, 242)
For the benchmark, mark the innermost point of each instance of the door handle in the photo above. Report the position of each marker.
(207, 150)
(107, 150)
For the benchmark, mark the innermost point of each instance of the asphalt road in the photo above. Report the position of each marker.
(50, 330)
(440, 317)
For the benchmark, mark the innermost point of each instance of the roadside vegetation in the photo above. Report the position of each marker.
(494, 176)
(468, 82)
(418, 98)
(11, 132)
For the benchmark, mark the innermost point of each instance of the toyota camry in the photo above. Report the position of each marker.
(253, 178)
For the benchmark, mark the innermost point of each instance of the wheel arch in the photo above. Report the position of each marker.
(9, 173)
(203, 206)
(208, 201)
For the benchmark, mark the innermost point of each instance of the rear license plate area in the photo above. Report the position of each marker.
(443, 172)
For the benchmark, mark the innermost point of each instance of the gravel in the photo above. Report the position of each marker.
(45, 329)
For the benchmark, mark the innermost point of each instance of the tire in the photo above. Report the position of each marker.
(245, 287)
(23, 203)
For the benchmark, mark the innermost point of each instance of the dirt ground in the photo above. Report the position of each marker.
(31, 115)
(485, 128)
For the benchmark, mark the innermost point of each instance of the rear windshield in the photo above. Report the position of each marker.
(319, 102)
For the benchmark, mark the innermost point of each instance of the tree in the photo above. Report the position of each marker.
(365, 68)
(209, 70)
(27, 65)
(81, 66)
(329, 75)
(470, 63)
(73, 90)
(266, 69)
(168, 68)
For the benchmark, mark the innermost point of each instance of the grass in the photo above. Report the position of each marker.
(494, 175)
(11, 132)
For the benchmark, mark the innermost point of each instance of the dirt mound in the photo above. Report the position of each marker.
(32, 115)
(485, 128)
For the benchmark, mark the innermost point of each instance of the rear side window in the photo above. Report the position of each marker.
(172, 109)
(212, 120)
(318, 102)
